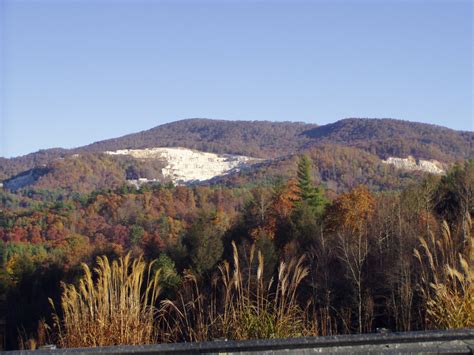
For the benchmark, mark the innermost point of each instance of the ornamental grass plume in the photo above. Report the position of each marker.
(451, 304)
(113, 307)
(447, 280)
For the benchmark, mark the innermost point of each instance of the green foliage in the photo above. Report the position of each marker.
(6, 221)
(8, 200)
(269, 255)
(305, 225)
(204, 243)
(303, 175)
(308, 193)
(456, 192)
(136, 234)
(24, 254)
(170, 278)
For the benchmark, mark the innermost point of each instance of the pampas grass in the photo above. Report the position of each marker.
(447, 281)
(451, 304)
(115, 307)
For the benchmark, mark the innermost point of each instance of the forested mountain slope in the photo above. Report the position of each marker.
(259, 139)
(337, 167)
(345, 152)
(383, 137)
(14, 166)
(389, 137)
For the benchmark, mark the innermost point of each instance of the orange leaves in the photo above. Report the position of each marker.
(34, 234)
(353, 210)
(284, 199)
(282, 204)
(17, 234)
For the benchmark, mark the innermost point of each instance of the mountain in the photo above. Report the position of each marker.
(346, 152)
(14, 166)
(259, 139)
(389, 137)
(338, 167)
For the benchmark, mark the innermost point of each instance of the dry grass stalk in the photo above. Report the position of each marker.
(241, 305)
(41, 337)
(447, 281)
(116, 308)
(451, 304)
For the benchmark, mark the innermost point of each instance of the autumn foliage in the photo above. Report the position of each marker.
(371, 259)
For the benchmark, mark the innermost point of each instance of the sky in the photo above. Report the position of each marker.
(74, 72)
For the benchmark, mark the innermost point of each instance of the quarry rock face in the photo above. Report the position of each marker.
(410, 163)
(187, 165)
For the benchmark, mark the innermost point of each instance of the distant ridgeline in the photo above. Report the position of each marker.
(381, 153)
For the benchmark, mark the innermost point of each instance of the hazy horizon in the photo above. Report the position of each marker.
(73, 73)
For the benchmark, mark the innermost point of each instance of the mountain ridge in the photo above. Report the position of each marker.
(380, 138)
(311, 128)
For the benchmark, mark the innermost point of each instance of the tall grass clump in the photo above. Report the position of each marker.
(447, 281)
(451, 304)
(241, 304)
(113, 307)
(253, 308)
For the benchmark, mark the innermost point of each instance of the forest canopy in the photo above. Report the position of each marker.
(365, 256)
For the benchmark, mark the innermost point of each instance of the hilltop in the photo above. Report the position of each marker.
(345, 152)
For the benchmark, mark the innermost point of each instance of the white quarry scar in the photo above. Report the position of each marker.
(410, 163)
(186, 165)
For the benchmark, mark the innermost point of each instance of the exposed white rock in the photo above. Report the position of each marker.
(187, 165)
(137, 183)
(410, 163)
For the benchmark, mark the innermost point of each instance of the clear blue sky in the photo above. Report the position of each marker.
(73, 72)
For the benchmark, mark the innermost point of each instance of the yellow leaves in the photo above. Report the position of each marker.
(221, 219)
(10, 265)
(175, 228)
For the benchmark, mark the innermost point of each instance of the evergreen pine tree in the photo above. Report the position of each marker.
(308, 193)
